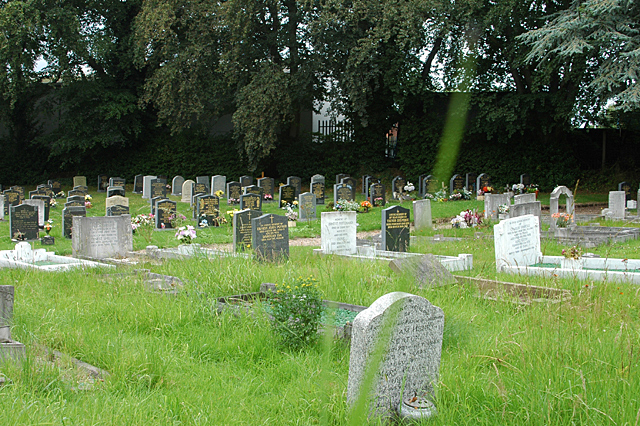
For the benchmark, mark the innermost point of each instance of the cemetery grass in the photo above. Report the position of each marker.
(178, 360)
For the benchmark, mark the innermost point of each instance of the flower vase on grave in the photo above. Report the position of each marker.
(571, 263)
(291, 223)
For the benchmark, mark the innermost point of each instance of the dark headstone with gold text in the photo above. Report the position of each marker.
(270, 237)
(395, 229)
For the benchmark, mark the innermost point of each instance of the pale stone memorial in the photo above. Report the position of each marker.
(616, 204)
(187, 191)
(517, 242)
(176, 185)
(146, 186)
(422, 214)
(102, 237)
(338, 232)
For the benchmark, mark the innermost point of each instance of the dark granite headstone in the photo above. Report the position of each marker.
(624, 186)
(208, 208)
(55, 185)
(47, 204)
(267, 185)
(483, 180)
(429, 184)
(307, 206)
(234, 191)
(370, 181)
(296, 182)
(115, 190)
(158, 188)
(67, 218)
(242, 228)
(11, 198)
(397, 186)
(364, 183)
(253, 189)
(270, 237)
(251, 202)
(138, 184)
(103, 183)
(342, 191)
(201, 188)
(470, 182)
(421, 189)
(287, 195)
(204, 180)
(165, 209)
(245, 181)
(351, 183)
(117, 210)
(377, 195)
(318, 178)
(456, 182)
(47, 190)
(339, 177)
(525, 179)
(395, 229)
(83, 188)
(153, 204)
(23, 219)
(317, 189)
(117, 181)
(20, 189)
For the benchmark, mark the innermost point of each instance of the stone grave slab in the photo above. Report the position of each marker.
(317, 189)
(218, 183)
(187, 191)
(307, 206)
(286, 195)
(102, 237)
(164, 210)
(158, 188)
(251, 202)
(79, 181)
(234, 191)
(207, 209)
(296, 182)
(422, 214)
(67, 218)
(617, 204)
(176, 185)
(342, 191)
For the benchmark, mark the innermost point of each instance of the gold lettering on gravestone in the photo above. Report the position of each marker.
(235, 192)
(288, 193)
(245, 231)
(344, 193)
(318, 190)
(397, 220)
(272, 231)
(209, 206)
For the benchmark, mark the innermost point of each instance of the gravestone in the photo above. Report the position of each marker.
(407, 364)
(287, 195)
(251, 202)
(187, 191)
(81, 188)
(234, 191)
(2, 207)
(422, 214)
(117, 206)
(138, 184)
(46, 190)
(253, 189)
(102, 237)
(517, 242)
(204, 180)
(6, 304)
(351, 184)
(421, 187)
(525, 179)
(176, 185)
(245, 180)
(370, 181)
(317, 189)
(77, 193)
(483, 180)
(118, 181)
(364, 185)
(456, 182)
(40, 205)
(554, 204)
(56, 186)
(79, 181)
(207, 208)
(339, 177)
(307, 206)
(267, 184)
(492, 202)
(20, 189)
(115, 190)
(470, 182)
(11, 198)
(194, 203)
(377, 195)
(67, 218)
(523, 209)
(218, 183)
(397, 186)
(103, 183)
(75, 201)
(296, 182)
(395, 229)
(626, 188)
(146, 189)
(153, 204)
(270, 237)
(47, 204)
(529, 197)
(158, 188)
(338, 232)
(165, 209)
(342, 192)
(200, 188)
(23, 219)
(242, 228)
(429, 184)
(317, 178)
(617, 204)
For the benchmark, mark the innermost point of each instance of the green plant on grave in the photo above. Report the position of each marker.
(144, 224)
(296, 310)
(574, 252)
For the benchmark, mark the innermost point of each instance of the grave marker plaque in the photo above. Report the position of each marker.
(23, 219)
(117, 206)
(115, 190)
(287, 195)
(201, 188)
(317, 189)
(470, 182)
(483, 180)
(234, 191)
(242, 228)
(79, 181)
(251, 202)
(318, 178)
(351, 184)
(253, 189)
(307, 206)
(517, 242)
(338, 232)
(395, 229)
(205, 181)
(208, 208)
(102, 237)
(118, 181)
(270, 237)
(422, 214)
(67, 218)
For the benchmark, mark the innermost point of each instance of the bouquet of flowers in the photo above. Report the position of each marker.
(518, 188)
(503, 208)
(186, 234)
(268, 197)
(378, 201)
(466, 219)
(562, 219)
(219, 193)
(366, 205)
(346, 206)
(574, 252)
(441, 195)
(409, 187)
(532, 188)
(48, 225)
(292, 216)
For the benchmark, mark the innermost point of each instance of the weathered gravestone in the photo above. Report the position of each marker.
(138, 184)
(398, 342)
(251, 202)
(10, 350)
(317, 178)
(377, 195)
(77, 193)
(267, 185)
(242, 228)
(422, 214)
(218, 183)
(11, 198)
(307, 206)
(67, 218)
(117, 206)
(158, 188)
(286, 195)
(270, 237)
(146, 188)
(2, 207)
(529, 197)
(103, 183)
(427, 270)
(23, 222)
(342, 192)
(204, 180)
(397, 186)
(79, 181)
(115, 190)
(176, 185)
(245, 181)
(6, 304)
(207, 209)
(554, 201)
(118, 181)
(523, 209)
(395, 229)
(338, 232)
(617, 204)
(492, 202)
(102, 237)
(456, 183)
(187, 191)
(317, 189)
(41, 209)
(165, 211)
(234, 191)
(517, 242)
(296, 182)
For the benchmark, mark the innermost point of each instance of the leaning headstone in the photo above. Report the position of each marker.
(41, 209)
(317, 189)
(207, 209)
(165, 210)
(242, 228)
(218, 183)
(115, 190)
(422, 214)
(395, 229)
(617, 204)
(427, 270)
(377, 195)
(307, 206)
(117, 206)
(23, 222)
(103, 183)
(79, 181)
(398, 342)
(286, 195)
(296, 182)
(251, 202)
(397, 185)
(342, 192)
(138, 184)
(67, 218)
(187, 191)
(146, 189)
(234, 191)
(267, 184)
(338, 232)
(456, 183)
(102, 237)
(176, 185)
(270, 237)
(517, 242)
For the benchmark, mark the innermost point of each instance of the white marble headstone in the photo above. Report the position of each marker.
(338, 232)
(517, 242)
(617, 204)
(146, 186)
(422, 214)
